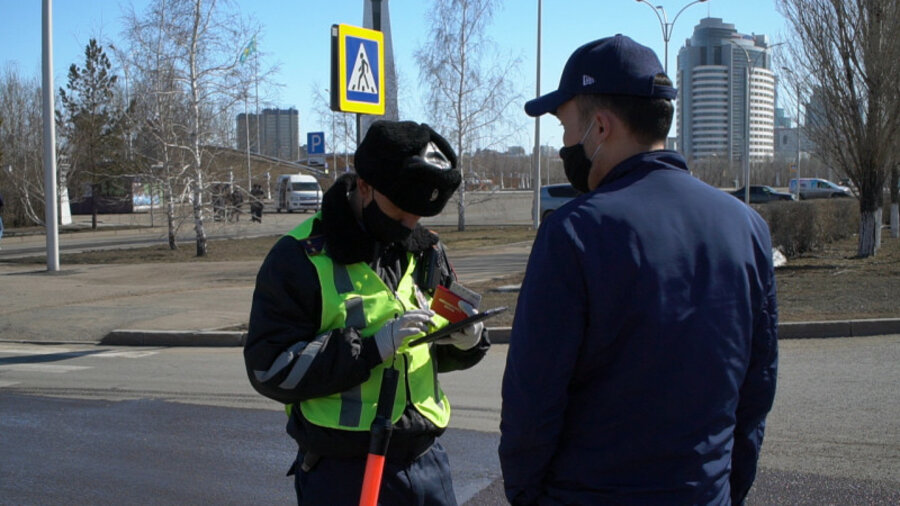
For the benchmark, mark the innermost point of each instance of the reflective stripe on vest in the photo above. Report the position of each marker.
(354, 296)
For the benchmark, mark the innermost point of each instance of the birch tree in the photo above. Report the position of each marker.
(469, 92)
(895, 197)
(851, 53)
(208, 51)
(158, 106)
(21, 171)
(192, 47)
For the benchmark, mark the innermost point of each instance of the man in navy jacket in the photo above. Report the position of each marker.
(642, 361)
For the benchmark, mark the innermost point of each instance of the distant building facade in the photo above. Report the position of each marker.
(713, 94)
(275, 133)
(782, 120)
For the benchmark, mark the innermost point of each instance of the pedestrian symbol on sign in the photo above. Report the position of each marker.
(361, 79)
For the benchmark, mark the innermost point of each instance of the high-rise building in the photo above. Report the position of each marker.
(713, 94)
(275, 133)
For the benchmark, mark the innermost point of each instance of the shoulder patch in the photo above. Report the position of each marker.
(313, 245)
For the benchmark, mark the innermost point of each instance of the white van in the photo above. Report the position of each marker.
(297, 192)
(815, 188)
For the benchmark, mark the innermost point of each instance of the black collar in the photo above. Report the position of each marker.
(660, 159)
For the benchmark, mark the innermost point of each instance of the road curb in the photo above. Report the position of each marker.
(498, 335)
(174, 338)
(793, 330)
(841, 328)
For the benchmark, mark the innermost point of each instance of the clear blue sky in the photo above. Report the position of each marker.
(296, 36)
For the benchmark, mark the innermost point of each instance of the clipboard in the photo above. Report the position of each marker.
(454, 327)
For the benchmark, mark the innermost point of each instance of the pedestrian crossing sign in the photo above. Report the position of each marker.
(357, 73)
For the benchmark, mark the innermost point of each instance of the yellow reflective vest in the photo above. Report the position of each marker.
(354, 296)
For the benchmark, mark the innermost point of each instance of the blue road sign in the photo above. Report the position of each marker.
(315, 143)
(362, 70)
(357, 72)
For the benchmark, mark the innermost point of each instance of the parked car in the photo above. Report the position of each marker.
(760, 194)
(815, 188)
(554, 196)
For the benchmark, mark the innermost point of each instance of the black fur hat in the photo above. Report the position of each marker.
(410, 164)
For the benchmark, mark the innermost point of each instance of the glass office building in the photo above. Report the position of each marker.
(713, 94)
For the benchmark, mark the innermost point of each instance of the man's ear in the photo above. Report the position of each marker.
(604, 123)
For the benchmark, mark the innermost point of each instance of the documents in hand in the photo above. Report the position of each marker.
(446, 301)
(455, 327)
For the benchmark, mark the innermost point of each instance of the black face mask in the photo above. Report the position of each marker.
(576, 164)
(381, 226)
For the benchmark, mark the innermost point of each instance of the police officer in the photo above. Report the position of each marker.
(337, 301)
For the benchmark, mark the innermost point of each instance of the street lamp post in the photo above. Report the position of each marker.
(667, 26)
(536, 176)
(746, 158)
(797, 177)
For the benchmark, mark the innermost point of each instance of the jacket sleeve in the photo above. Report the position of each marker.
(448, 357)
(551, 309)
(285, 356)
(757, 393)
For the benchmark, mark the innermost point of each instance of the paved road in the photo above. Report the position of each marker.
(107, 425)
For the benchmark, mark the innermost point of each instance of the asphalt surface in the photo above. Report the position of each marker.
(201, 304)
(124, 420)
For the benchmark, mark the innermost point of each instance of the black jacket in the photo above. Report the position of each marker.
(285, 316)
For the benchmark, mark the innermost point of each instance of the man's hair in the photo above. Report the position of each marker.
(648, 119)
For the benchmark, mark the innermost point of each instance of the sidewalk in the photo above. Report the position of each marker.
(191, 303)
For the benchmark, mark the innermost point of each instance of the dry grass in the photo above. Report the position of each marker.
(834, 284)
(828, 284)
(255, 249)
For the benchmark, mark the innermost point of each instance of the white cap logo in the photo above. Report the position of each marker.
(586, 80)
(434, 195)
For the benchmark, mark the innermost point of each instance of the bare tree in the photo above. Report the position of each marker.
(21, 172)
(895, 198)
(343, 131)
(851, 53)
(158, 106)
(186, 53)
(208, 50)
(469, 87)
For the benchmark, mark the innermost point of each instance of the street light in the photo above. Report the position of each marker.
(334, 171)
(125, 63)
(536, 170)
(667, 26)
(797, 79)
(746, 157)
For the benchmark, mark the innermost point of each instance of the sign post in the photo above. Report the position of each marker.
(315, 148)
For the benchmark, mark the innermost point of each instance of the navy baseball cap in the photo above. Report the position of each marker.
(611, 66)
